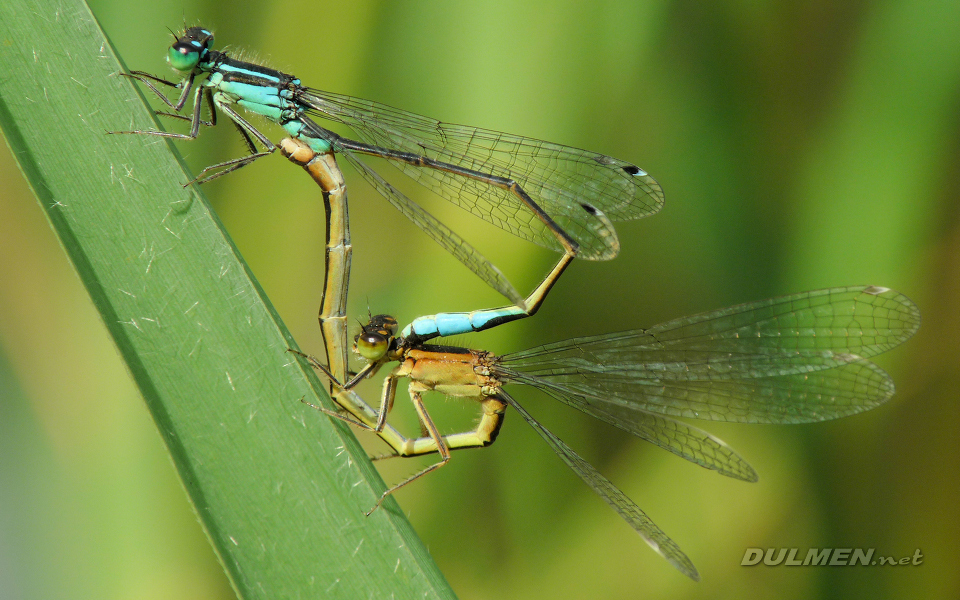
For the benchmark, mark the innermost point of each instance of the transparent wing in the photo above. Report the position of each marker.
(580, 190)
(612, 495)
(440, 233)
(792, 359)
(798, 398)
(691, 443)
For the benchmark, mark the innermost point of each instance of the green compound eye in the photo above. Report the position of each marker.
(183, 56)
(187, 50)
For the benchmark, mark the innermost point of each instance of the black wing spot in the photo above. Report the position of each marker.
(590, 210)
(632, 169)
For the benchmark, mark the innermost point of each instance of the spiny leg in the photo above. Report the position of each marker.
(146, 78)
(236, 163)
(243, 126)
(363, 415)
(194, 118)
(434, 434)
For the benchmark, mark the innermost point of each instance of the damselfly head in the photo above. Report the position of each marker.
(188, 49)
(376, 337)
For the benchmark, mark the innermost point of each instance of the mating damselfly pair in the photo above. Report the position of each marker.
(793, 359)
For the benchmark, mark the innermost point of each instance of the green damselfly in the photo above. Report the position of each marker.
(793, 359)
(557, 196)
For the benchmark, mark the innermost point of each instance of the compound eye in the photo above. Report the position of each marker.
(372, 345)
(183, 56)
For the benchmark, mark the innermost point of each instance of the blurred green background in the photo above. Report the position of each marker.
(801, 145)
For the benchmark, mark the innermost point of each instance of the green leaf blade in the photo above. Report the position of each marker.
(279, 488)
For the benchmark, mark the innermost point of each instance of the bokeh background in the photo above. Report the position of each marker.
(801, 145)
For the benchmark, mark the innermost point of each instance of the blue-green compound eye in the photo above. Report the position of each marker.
(183, 56)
